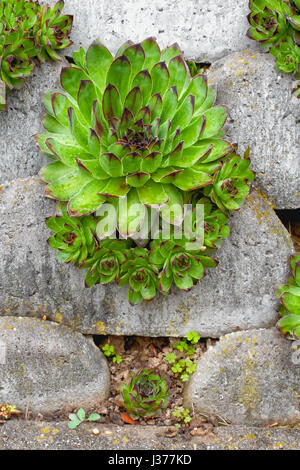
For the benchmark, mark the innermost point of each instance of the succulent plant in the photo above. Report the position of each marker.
(288, 57)
(183, 261)
(138, 130)
(145, 394)
(74, 238)
(276, 25)
(106, 262)
(268, 20)
(141, 275)
(29, 30)
(15, 54)
(140, 125)
(289, 298)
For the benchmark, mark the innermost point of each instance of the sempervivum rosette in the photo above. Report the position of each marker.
(29, 30)
(289, 298)
(146, 393)
(137, 129)
(275, 24)
(74, 238)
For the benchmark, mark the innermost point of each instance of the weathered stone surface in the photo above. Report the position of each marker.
(249, 377)
(55, 435)
(204, 30)
(20, 155)
(48, 367)
(239, 292)
(265, 116)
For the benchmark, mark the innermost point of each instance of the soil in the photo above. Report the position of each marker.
(139, 352)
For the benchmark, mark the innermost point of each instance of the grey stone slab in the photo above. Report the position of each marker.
(250, 377)
(240, 292)
(20, 156)
(49, 368)
(265, 116)
(18, 434)
(205, 30)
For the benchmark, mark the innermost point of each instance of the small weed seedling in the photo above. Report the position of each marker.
(109, 351)
(184, 366)
(182, 414)
(79, 417)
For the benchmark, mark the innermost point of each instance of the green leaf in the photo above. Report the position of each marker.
(87, 200)
(151, 162)
(81, 414)
(152, 194)
(192, 133)
(184, 283)
(98, 61)
(54, 171)
(160, 78)
(131, 163)
(288, 323)
(116, 187)
(191, 179)
(111, 164)
(184, 113)
(119, 75)
(85, 98)
(170, 52)
(193, 337)
(215, 120)
(73, 424)
(198, 88)
(143, 80)
(134, 297)
(111, 102)
(178, 73)
(136, 55)
(155, 106)
(294, 20)
(291, 302)
(66, 151)
(137, 179)
(134, 100)
(68, 185)
(60, 105)
(94, 417)
(152, 52)
(70, 79)
(170, 103)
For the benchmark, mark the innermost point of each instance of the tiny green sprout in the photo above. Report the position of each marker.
(193, 337)
(80, 417)
(177, 368)
(183, 414)
(187, 420)
(117, 359)
(108, 350)
(190, 366)
(185, 377)
(171, 358)
(181, 346)
(190, 351)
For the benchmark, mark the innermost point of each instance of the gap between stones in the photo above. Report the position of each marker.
(291, 220)
(148, 352)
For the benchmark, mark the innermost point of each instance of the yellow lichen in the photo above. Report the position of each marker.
(99, 327)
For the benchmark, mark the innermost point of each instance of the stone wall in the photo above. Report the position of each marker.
(249, 377)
